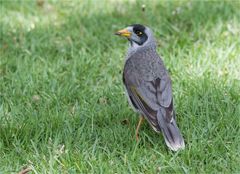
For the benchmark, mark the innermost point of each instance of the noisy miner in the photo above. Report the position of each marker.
(148, 85)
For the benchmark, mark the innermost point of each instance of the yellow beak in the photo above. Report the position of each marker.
(124, 33)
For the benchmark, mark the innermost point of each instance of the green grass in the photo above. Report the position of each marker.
(62, 103)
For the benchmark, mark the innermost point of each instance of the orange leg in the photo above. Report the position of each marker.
(138, 126)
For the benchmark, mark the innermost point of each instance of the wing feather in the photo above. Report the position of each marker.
(149, 96)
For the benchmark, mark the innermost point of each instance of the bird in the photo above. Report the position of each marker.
(148, 85)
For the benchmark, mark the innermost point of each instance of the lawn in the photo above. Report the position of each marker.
(62, 102)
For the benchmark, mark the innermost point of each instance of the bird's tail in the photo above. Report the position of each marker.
(171, 133)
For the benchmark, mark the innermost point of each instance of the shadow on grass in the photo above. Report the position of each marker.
(170, 20)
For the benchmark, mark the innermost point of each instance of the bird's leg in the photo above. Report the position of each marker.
(138, 126)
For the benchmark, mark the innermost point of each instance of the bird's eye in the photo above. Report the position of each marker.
(139, 33)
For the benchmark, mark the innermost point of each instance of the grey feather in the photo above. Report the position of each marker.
(149, 89)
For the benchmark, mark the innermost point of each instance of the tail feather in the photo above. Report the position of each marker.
(171, 133)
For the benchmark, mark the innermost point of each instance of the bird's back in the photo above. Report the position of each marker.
(145, 65)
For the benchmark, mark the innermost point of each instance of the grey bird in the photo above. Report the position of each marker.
(148, 85)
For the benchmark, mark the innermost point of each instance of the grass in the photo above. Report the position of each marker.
(62, 103)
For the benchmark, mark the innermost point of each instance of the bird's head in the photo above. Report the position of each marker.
(138, 35)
